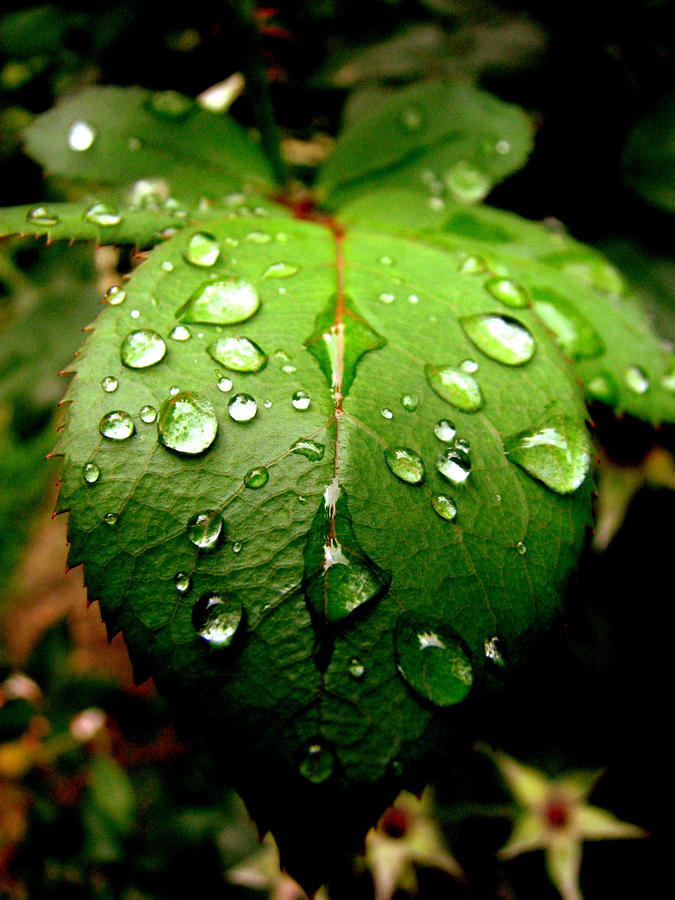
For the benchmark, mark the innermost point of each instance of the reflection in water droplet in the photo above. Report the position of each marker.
(204, 529)
(472, 265)
(103, 214)
(557, 453)
(508, 292)
(521, 549)
(109, 384)
(216, 619)
(221, 303)
(433, 659)
(182, 582)
(454, 464)
(224, 384)
(141, 349)
(317, 764)
(148, 414)
(458, 388)
(91, 473)
(308, 448)
(180, 333)
(356, 668)
(238, 354)
(636, 379)
(603, 387)
(405, 464)
(202, 250)
(242, 408)
(502, 338)
(410, 402)
(40, 215)
(81, 136)
(444, 506)
(117, 425)
(280, 270)
(466, 183)
(115, 295)
(386, 413)
(445, 431)
(301, 400)
(111, 518)
(256, 478)
(187, 423)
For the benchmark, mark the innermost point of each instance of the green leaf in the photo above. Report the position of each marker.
(441, 140)
(580, 297)
(114, 135)
(263, 580)
(649, 157)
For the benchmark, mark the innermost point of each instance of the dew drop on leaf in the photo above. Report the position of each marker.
(454, 464)
(187, 423)
(202, 250)
(301, 400)
(103, 214)
(239, 354)
(224, 384)
(386, 297)
(411, 118)
(469, 365)
(444, 506)
(111, 518)
(147, 414)
(458, 388)
(171, 104)
(242, 408)
(557, 453)
(466, 183)
(258, 237)
(216, 619)
(182, 582)
(117, 425)
(308, 448)
(40, 215)
(109, 384)
(386, 413)
(386, 260)
(472, 265)
(494, 651)
(81, 136)
(91, 473)
(356, 668)
(237, 546)
(256, 478)
(134, 313)
(405, 464)
(115, 295)
(141, 349)
(508, 292)
(180, 333)
(409, 402)
(173, 391)
(221, 303)
(280, 270)
(445, 431)
(603, 387)
(668, 382)
(433, 659)
(521, 549)
(167, 265)
(204, 529)
(636, 380)
(502, 338)
(317, 764)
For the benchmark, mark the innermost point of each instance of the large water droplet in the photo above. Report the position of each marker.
(117, 425)
(454, 464)
(109, 384)
(91, 473)
(433, 659)
(141, 349)
(81, 136)
(603, 387)
(445, 431)
(187, 423)
(147, 414)
(301, 400)
(636, 379)
(238, 354)
(182, 582)
(221, 303)
(458, 388)
(557, 453)
(502, 338)
(508, 292)
(466, 183)
(103, 214)
(571, 330)
(317, 764)
(202, 250)
(204, 529)
(216, 619)
(444, 506)
(40, 215)
(312, 450)
(115, 295)
(180, 333)
(405, 463)
(280, 270)
(256, 478)
(242, 408)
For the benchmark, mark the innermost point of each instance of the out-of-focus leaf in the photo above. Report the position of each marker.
(649, 157)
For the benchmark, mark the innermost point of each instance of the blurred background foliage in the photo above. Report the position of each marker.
(99, 795)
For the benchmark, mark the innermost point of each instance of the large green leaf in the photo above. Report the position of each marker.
(343, 602)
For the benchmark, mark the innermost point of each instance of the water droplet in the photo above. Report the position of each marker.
(472, 265)
(603, 387)
(413, 298)
(239, 354)
(668, 381)
(386, 260)
(103, 214)
(171, 104)
(636, 379)
(81, 136)
(109, 384)
(40, 215)
(445, 431)
(410, 402)
(503, 147)
(173, 391)
(167, 265)
(187, 423)
(259, 237)
(411, 118)
(147, 414)
(141, 349)
(242, 408)
(117, 425)
(433, 659)
(466, 183)
(356, 668)
(571, 330)
(180, 333)
(204, 529)
(221, 303)
(280, 270)
(458, 388)
(444, 506)
(521, 549)
(317, 764)
(508, 292)
(202, 250)
(91, 473)
(217, 619)
(134, 313)
(557, 453)
(224, 384)
(463, 444)
(115, 295)
(386, 297)
(301, 400)
(386, 413)
(454, 464)
(134, 144)
(237, 546)
(256, 478)
(267, 404)
(308, 448)
(502, 338)
(494, 652)
(405, 463)
(111, 518)
(469, 365)
(182, 582)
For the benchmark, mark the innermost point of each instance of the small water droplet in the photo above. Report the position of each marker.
(111, 518)
(501, 338)
(636, 379)
(668, 381)
(469, 365)
(40, 215)
(386, 413)
(288, 369)
(508, 292)
(81, 136)
(134, 313)
(445, 506)
(141, 349)
(301, 400)
(147, 414)
(413, 298)
(239, 354)
(494, 652)
(603, 387)
(171, 104)
(91, 473)
(557, 453)
(463, 444)
(356, 668)
(109, 384)
(308, 448)
(258, 237)
(521, 549)
(204, 529)
(317, 764)
(182, 582)
(217, 619)
(117, 425)
(267, 404)
(386, 297)
(202, 250)
(280, 270)
(187, 423)
(458, 388)
(237, 546)
(242, 408)
(221, 303)
(503, 147)
(180, 333)
(472, 265)
(134, 144)
(410, 402)
(224, 384)
(411, 118)
(466, 183)
(256, 478)
(167, 265)
(103, 214)
(433, 659)
(115, 295)
(174, 390)
(454, 464)
(445, 431)
(405, 464)
(386, 260)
